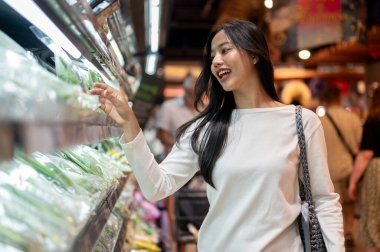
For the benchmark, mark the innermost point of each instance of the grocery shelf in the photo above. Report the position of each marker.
(47, 137)
(6, 141)
(78, 22)
(57, 117)
(121, 236)
(29, 110)
(58, 126)
(87, 238)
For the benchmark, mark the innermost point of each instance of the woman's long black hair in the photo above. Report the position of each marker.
(214, 120)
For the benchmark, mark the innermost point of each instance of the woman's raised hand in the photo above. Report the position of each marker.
(115, 104)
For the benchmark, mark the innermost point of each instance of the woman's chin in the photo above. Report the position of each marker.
(227, 88)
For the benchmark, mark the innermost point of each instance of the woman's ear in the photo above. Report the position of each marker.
(255, 59)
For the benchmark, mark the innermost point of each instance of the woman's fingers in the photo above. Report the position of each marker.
(107, 91)
(112, 101)
(100, 85)
(102, 99)
(115, 97)
(97, 92)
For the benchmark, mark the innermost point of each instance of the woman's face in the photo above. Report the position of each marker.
(232, 67)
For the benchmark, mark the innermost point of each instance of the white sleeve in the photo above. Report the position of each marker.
(158, 181)
(327, 206)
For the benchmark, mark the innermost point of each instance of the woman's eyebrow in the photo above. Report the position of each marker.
(221, 44)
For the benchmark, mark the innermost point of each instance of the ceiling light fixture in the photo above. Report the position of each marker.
(154, 25)
(29, 10)
(268, 4)
(304, 54)
(151, 64)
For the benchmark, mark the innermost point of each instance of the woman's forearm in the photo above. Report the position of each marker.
(361, 162)
(131, 128)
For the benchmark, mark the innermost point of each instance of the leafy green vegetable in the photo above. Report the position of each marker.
(51, 173)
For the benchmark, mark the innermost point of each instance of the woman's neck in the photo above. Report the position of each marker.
(257, 98)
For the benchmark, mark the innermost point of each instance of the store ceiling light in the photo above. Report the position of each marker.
(268, 4)
(154, 25)
(321, 111)
(151, 64)
(304, 54)
(155, 2)
(29, 10)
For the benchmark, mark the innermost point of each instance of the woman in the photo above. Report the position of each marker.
(368, 161)
(245, 145)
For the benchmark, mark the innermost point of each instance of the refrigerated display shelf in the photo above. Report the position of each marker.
(6, 141)
(56, 133)
(78, 22)
(58, 136)
(121, 236)
(89, 235)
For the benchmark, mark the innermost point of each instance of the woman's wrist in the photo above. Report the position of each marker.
(131, 129)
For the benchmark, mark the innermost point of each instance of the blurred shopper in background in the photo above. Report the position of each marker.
(176, 112)
(245, 145)
(368, 163)
(343, 131)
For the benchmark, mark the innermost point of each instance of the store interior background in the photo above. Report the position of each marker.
(148, 46)
(342, 36)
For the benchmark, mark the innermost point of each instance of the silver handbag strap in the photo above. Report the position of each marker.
(305, 188)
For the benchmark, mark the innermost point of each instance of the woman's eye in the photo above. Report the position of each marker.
(225, 50)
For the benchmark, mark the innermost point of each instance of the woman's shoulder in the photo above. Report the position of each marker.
(310, 120)
(309, 114)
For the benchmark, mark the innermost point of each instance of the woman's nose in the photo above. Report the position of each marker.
(216, 62)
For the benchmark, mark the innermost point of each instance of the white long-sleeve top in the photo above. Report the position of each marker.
(255, 202)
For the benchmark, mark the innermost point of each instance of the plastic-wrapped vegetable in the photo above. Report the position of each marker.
(85, 184)
(114, 150)
(109, 233)
(43, 218)
(33, 187)
(66, 72)
(24, 74)
(51, 173)
(93, 162)
(11, 241)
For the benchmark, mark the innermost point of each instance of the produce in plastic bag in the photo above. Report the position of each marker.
(110, 233)
(43, 218)
(43, 88)
(93, 162)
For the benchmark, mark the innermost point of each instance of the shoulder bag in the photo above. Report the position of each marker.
(309, 227)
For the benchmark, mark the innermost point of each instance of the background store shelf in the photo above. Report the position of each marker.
(121, 236)
(87, 238)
